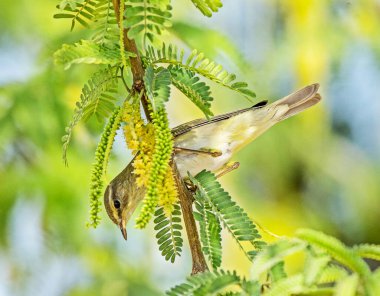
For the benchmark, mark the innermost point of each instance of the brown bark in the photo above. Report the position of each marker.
(186, 201)
(185, 197)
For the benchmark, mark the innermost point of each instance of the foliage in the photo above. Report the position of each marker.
(197, 62)
(169, 232)
(86, 52)
(157, 83)
(207, 7)
(197, 91)
(105, 26)
(147, 19)
(206, 283)
(327, 261)
(210, 231)
(78, 11)
(97, 98)
(215, 207)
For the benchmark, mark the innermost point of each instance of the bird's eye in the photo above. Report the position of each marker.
(116, 204)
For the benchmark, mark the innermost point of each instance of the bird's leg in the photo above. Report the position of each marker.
(228, 167)
(211, 152)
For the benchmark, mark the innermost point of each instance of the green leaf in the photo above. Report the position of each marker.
(314, 266)
(147, 19)
(197, 91)
(332, 274)
(168, 238)
(347, 286)
(274, 254)
(206, 283)
(87, 52)
(336, 249)
(76, 9)
(97, 98)
(368, 251)
(106, 30)
(157, 83)
(207, 7)
(286, 286)
(210, 232)
(277, 272)
(228, 212)
(197, 63)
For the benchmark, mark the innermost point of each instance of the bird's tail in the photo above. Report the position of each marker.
(296, 102)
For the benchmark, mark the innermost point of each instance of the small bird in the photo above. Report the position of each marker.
(208, 144)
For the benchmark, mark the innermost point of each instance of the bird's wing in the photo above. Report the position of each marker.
(188, 126)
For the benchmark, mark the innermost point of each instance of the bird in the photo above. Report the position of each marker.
(208, 144)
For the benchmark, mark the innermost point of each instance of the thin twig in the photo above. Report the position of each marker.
(124, 82)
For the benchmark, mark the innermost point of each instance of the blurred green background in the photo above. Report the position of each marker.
(320, 169)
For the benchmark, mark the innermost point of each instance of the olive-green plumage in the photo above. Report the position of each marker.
(223, 135)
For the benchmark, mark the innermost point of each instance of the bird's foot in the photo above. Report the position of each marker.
(208, 151)
(228, 167)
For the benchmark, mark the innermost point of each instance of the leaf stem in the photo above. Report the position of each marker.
(123, 80)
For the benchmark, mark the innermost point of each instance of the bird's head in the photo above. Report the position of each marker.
(121, 198)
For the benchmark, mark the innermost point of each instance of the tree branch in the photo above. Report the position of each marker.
(185, 197)
(186, 201)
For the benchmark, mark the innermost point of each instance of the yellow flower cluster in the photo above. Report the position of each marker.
(152, 144)
(140, 139)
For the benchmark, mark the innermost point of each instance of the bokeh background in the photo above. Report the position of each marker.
(320, 169)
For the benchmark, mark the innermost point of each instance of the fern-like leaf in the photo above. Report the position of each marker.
(277, 272)
(233, 217)
(197, 91)
(286, 286)
(169, 233)
(331, 274)
(314, 266)
(99, 168)
(198, 63)
(274, 254)
(210, 231)
(207, 7)
(157, 83)
(373, 286)
(106, 30)
(96, 99)
(87, 52)
(78, 11)
(336, 249)
(347, 286)
(206, 283)
(147, 18)
(368, 251)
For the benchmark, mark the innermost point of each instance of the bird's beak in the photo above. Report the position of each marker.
(123, 228)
